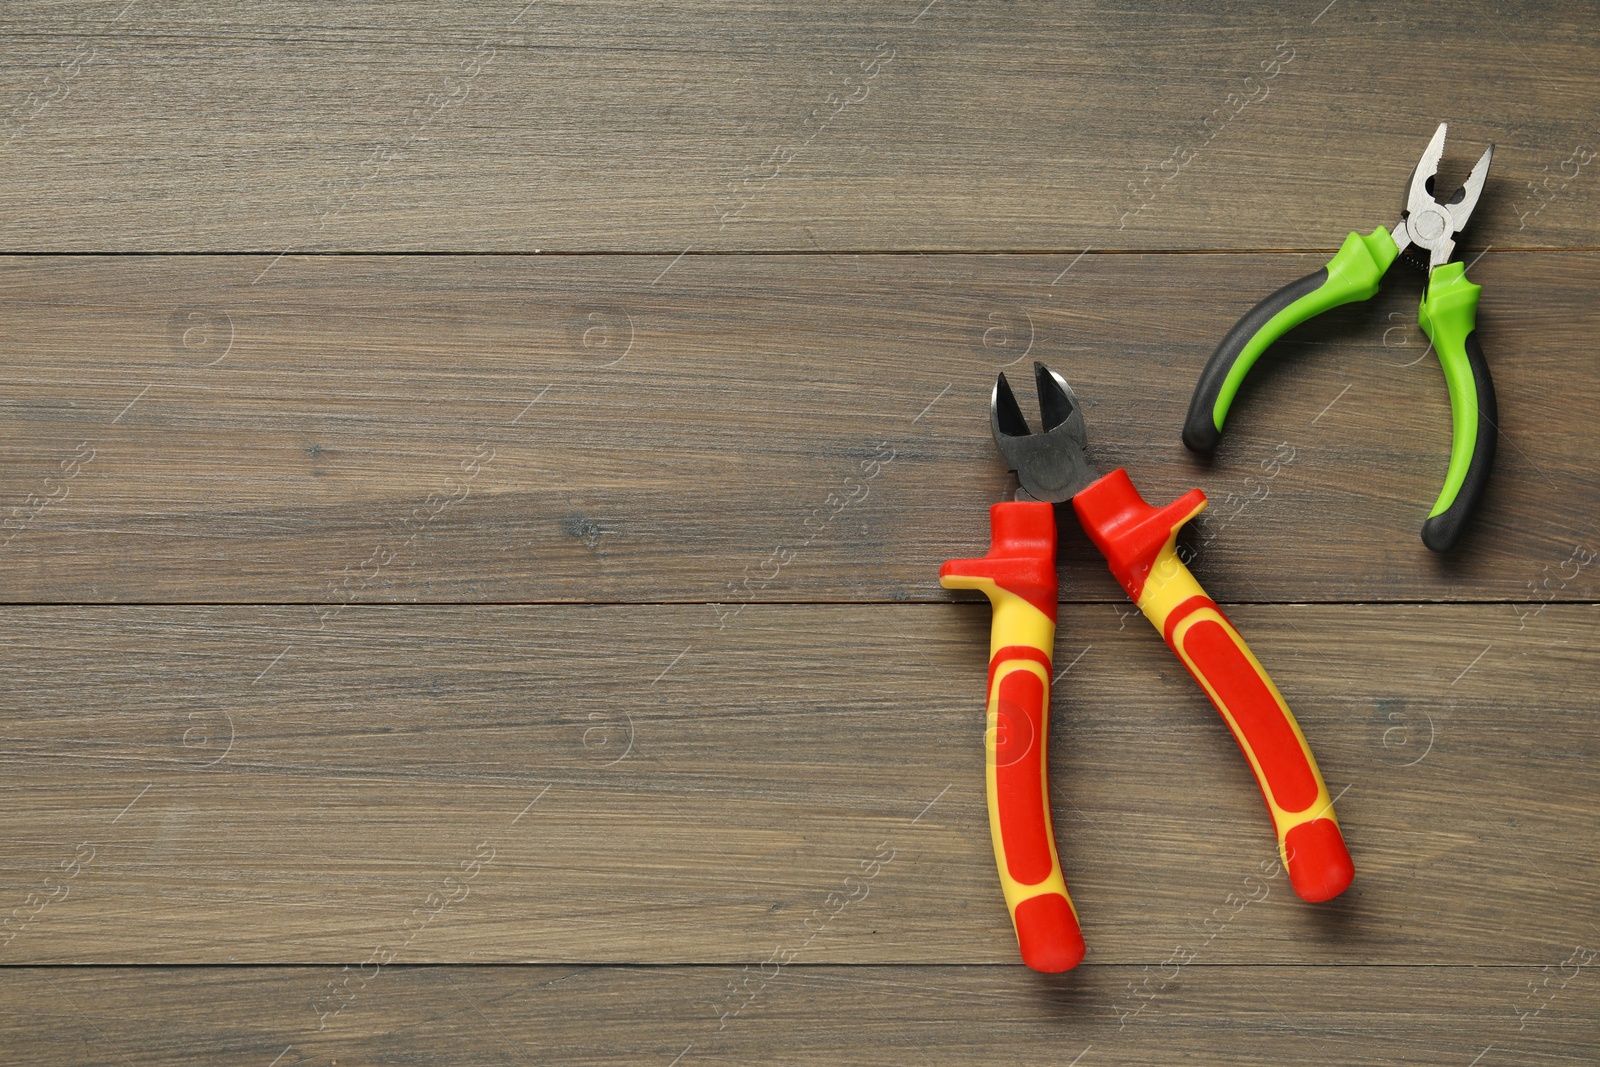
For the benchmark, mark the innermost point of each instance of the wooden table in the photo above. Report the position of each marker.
(475, 478)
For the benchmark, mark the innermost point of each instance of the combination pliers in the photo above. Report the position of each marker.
(1138, 541)
(1425, 237)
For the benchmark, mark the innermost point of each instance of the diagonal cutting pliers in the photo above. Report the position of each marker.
(1425, 237)
(1138, 541)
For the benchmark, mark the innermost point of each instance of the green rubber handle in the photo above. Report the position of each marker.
(1448, 315)
(1352, 274)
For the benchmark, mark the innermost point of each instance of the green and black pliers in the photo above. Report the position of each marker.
(1425, 236)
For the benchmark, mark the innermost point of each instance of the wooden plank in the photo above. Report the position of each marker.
(631, 784)
(836, 126)
(731, 429)
(828, 1015)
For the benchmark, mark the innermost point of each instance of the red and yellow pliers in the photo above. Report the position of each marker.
(1019, 578)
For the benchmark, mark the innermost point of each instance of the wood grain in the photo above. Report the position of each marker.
(647, 429)
(627, 784)
(837, 126)
(804, 1014)
(472, 480)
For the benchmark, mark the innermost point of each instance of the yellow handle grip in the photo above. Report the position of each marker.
(1138, 543)
(1018, 576)
(1309, 841)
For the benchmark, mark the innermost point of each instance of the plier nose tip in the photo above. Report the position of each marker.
(1419, 191)
(1005, 414)
(1465, 198)
(1057, 402)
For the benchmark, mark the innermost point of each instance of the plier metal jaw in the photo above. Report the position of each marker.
(1424, 236)
(1139, 544)
(1051, 466)
(1428, 226)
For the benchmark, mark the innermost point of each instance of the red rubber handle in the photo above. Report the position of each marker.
(1019, 578)
(1313, 849)
(1138, 543)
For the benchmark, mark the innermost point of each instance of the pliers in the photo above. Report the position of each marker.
(1425, 237)
(1019, 578)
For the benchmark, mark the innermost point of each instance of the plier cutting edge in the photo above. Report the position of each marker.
(1019, 578)
(1425, 236)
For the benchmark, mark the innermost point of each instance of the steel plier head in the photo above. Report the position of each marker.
(1051, 466)
(1425, 236)
(1426, 232)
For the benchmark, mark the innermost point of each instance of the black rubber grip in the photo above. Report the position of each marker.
(1442, 531)
(1200, 431)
